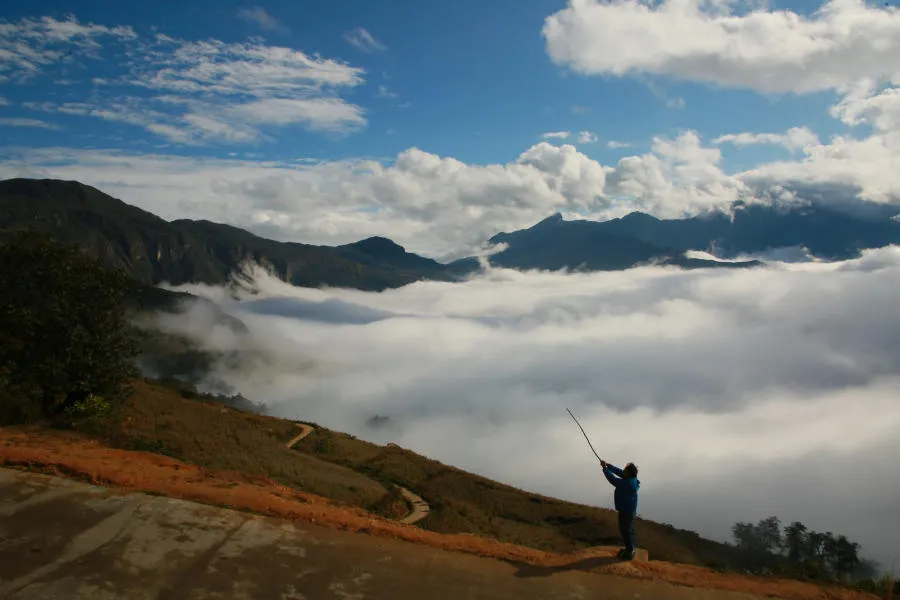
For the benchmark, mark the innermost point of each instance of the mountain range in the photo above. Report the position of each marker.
(154, 250)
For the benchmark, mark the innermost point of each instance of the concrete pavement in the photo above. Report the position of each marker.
(63, 539)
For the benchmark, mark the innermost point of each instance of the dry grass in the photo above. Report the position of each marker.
(157, 419)
(340, 467)
(74, 455)
(465, 503)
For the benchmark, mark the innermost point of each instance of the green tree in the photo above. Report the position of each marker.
(769, 533)
(63, 330)
(844, 555)
(795, 543)
(745, 537)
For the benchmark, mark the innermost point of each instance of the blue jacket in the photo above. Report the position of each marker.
(626, 495)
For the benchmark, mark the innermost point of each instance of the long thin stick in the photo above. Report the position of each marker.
(585, 436)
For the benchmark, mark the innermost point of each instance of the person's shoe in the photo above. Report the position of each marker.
(625, 554)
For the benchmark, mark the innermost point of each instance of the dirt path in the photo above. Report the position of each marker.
(418, 508)
(65, 453)
(305, 430)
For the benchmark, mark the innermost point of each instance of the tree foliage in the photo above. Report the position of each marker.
(63, 330)
(811, 553)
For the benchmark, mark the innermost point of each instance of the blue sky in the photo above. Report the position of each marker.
(671, 107)
(472, 80)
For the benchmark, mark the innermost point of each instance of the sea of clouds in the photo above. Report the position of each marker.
(739, 393)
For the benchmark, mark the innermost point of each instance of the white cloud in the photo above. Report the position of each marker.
(558, 135)
(440, 206)
(864, 104)
(4, 101)
(362, 39)
(258, 16)
(433, 205)
(677, 103)
(250, 69)
(676, 178)
(212, 91)
(384, 92)
(767, 50)
(18, 122)
(586, 137)
(708, 380)
(614, 145)
(794, 139)
(30, 45)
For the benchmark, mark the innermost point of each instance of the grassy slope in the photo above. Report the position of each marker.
(338, 466)
(158, 419)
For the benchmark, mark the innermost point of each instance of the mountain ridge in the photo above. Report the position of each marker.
(181, 251)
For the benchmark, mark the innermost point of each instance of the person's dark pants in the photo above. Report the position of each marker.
(626, 528)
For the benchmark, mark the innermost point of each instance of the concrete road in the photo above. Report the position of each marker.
(62, 539)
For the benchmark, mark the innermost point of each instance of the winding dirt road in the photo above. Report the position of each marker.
(418, 508)
(305, 430)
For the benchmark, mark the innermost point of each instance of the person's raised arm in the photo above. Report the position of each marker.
(609, 476)
(615, 470)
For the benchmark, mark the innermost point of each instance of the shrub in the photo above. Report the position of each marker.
(91, 414)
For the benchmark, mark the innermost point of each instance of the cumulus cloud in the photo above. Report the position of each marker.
(587, 137)
(866, 105)
(195, 92)
(768, 50)
(443, 207)
(795, 138)
(360, 38)
(258, 16)
(434, 205)
(721, 386)
(557, 135)
(677, 177)
(615, 145)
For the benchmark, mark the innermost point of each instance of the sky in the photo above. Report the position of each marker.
(740, 394)
(440, 124)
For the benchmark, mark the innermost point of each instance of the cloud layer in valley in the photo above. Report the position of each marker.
(740, 394)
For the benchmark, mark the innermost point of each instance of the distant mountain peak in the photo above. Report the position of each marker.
(378, 245)
(552, 219)
(638, 216)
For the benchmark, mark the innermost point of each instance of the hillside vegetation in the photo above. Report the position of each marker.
(175, 421)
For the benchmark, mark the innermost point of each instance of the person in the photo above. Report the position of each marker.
(626, 501)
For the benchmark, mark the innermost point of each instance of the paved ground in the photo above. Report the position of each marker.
(61, 539)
